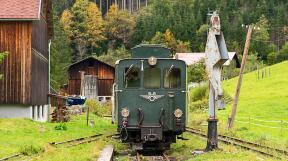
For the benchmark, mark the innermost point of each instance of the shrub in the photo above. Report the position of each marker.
(272, 58)
(197, 72)
(31, 150)
(199, 93)
(97, 108)
(61, 126)
(201, 104)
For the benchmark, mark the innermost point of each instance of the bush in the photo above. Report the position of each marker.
(199, 93)
(61, 126)
(197, 72)
(199, 105)
(272, 58)
(97, 108)
(31, 150)
(198, 98)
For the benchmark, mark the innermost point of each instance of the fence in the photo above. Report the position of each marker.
(281, 124)
(262, 73)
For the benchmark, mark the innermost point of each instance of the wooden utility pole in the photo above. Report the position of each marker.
(231, 118)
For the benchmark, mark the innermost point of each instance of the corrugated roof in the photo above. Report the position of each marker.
(193, 58)
(190, 58)
(90, 57)
(20, 9)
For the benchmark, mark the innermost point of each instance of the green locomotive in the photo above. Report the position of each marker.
(150, 94)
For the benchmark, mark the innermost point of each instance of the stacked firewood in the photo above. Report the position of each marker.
(60, 114)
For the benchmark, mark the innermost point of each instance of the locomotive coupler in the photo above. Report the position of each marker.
(124, 122)
(212, 142)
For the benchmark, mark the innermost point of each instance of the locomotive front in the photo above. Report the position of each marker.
(150, 97)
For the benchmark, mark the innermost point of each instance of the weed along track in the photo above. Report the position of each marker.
(66, 144)
(78, 141)
(264, 150)
(151, 157)
(11, 157)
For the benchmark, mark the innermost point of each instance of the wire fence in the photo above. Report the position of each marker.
(281, 124)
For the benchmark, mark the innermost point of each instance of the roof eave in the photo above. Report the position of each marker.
(19, 19)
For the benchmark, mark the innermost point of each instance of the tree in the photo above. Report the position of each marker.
(197, 72)
(2, 57)
(283, 54)
(113, 55)
(260, 43)
(85, 28)
(60, 54)
(169, 40)
(120, 26)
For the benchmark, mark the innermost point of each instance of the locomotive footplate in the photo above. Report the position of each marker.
(151, 133)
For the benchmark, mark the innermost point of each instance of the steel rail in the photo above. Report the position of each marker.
(246, 142)
(11, 156)
(234, 142)
(74, 140)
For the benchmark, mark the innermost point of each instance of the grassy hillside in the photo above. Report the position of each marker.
(267, 97)
(262, 113)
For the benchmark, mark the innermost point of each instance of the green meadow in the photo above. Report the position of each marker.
(262, 112)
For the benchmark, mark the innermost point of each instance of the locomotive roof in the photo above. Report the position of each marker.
(148, 50)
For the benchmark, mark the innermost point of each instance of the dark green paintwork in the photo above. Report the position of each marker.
(146, 51)
(130, 97)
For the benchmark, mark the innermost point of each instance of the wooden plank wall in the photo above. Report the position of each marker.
(104, 72)
(15, 87)
(40, 63)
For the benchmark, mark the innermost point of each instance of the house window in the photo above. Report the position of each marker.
(152, 77)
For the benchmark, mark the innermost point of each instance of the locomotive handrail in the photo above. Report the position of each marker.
(140, 116)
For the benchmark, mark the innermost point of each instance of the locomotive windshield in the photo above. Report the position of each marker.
(152, 77)
(172, 78)
(132, 77)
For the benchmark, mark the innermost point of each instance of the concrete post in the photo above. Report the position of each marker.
(35, 113)
(31, 112)
(40, 112)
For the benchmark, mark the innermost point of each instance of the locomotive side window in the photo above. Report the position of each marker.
(172, 78)
(152, 77)
(132, 77)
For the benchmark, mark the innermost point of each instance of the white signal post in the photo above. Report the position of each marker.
(216, 55)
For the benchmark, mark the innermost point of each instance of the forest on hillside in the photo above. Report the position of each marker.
(81, 30)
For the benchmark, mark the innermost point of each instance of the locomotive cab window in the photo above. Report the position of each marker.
(132, 77)
(152, 77)
(172, 78)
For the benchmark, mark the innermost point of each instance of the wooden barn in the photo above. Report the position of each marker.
(91, 78)
(25, 33)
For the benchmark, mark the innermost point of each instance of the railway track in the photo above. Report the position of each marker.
(67, 143)
(262, 149)
(160, 157)
(78, 141)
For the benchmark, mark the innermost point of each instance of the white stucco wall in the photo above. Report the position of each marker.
(37, 113)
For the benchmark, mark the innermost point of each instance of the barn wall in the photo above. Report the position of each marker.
(40, 63)
(40, 75)
(104, 72)
(15, 87)
(40, 36)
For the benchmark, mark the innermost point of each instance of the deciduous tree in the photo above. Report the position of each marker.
(120, 26)
(84, 26)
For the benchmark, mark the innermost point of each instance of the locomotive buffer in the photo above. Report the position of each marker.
(216, 55)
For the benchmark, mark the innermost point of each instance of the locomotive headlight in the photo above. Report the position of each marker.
(152, 61)
(178, 113)
(125, 112)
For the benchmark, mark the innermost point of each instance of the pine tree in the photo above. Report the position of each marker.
(60, 55)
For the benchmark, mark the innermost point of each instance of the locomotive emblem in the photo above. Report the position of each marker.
(152, 96)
